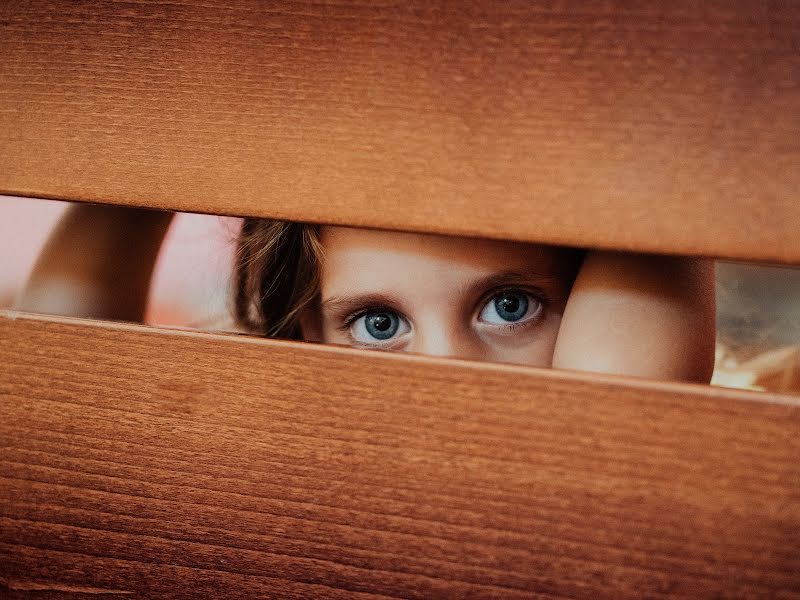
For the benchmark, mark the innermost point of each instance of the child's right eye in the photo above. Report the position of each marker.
(377, 327)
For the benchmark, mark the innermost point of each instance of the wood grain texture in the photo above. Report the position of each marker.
(176, 464)
(639, 125)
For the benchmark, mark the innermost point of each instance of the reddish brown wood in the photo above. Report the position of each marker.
(639, 125)
(177, 465)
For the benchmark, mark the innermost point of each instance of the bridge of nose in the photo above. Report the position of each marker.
(443, 329)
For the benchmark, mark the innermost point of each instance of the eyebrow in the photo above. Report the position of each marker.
(350, 303)
(346, 304)
(506, 278)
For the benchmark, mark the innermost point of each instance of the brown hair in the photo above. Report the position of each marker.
(276, 276)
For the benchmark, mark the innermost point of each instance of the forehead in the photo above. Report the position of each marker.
(349, 251)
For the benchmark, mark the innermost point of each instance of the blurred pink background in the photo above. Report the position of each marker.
(192, 277)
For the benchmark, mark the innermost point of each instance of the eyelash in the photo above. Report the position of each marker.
(355, 316)
(513, 326)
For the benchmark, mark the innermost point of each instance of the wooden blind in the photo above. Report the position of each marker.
(173, 464)
(169, 464)
(650, 126)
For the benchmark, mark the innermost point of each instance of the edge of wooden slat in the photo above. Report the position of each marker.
(781, 253)
(722, 393)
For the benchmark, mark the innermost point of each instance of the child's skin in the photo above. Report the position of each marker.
(97, 262)
(436, 295)
(627, 314)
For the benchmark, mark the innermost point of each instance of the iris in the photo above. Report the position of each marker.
(382, 325)
(511, 306)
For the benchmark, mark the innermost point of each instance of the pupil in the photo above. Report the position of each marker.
(381, 322)
(382, 326)
(512, 306)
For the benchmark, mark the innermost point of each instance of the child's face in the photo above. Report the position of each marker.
(442, 296)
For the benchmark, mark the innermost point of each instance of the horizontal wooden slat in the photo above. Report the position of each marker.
(174, 463)
(651, 126)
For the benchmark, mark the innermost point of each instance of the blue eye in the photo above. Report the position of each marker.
(382, 325)
(510, 306)
(378, 326)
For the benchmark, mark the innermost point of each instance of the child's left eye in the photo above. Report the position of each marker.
(510, 307)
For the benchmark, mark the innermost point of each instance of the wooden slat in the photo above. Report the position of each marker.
(653, 126)
(172, 464)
